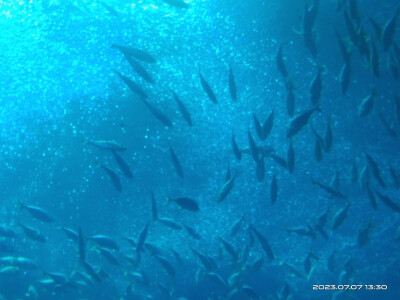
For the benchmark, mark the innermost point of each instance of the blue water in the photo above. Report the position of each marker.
(59, 92)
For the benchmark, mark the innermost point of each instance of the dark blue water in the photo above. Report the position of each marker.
(60, 92)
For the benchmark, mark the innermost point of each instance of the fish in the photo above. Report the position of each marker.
(316, 87)
(177, 3)
(372, 165)
(389, 30)
(185, 203)
(291, 158)
(81, 246)
(114, 178)
(328, 137)
(91, 271)
(216, 278)
(38, 213)
(139, 69)
(166, 265)
(235, 148)
(142, 238)
(395, 177)
(104, 241)
(122, 165)
(133, 86)
(71, 234)
(377, 28)
(267, 126)
(21, 262)
(310, 13)
(340, 216)
(394, 66)
(226, 189)
(176, 163)
(7, 232)
(389, 202)
(260, 169)
(374, 60)
(372, 199)
(264, 243)
(110, 9)
(250, 292)
(182, 108)
(158, 114)
(345, 78)
(253, 147)
(299, 121)
(33, 233)
(330, 190)
(207, 89)
(332, 261)
(108, 255)
(236, 226)
(258, 127)
(232, 84)
(107, 145)
(229, 248)
(170, 223)
(154, 211)
(364, 235)
(367, 104)
(134, 52)
(208, 263)
(192, 232)
(290, 99)
(280, 64)
(228, 173)
(177, 256)
(344, 51)
(282, 162)
(274, 189)
(389, 128)
(302, 231)
(354, 12)
(308, 266)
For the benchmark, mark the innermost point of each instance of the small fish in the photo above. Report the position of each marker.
(177, 256)
(229, 248)
(328, 137)
(7, 232)
(176, 163)
(38, 213)
(71, 234)
(170, 223)
(364, 234)
(367, 104)
(185, 203)
(136, 53)
(258, 127)
(372, 165)
(114, 178)
(91, 271)
(274, 189)
(330, 190)
(253, 147)
(208, 263)
(235, 148)
(318, 150)
(250, 292)
(389, 128)
(192, 232)
(107, 145)
(232, 84)
(340, 216)
(142, 238)
(108, 255)
(377, 28)
(316, 87)
(345, 53)
(332, 261)
(166, 265)
(158, 114)
(345, 78)
(33, 233)
(104, 241)
(260, 169)
(207, 89)
(279, 160)
(133, 86)
(267, 126)
(236, 226)
(389, 202)
(122, 165)
(298, 122)
(395, 177)
(354, 12)
(389, 31)
(226, 189)
(374, 60)
(177, 3)
(139, 69)
(182, 107)
(264, 243)
(301, 231)
(280, 63)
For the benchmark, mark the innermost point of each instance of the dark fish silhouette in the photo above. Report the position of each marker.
(340, 216)
(134, 52)
(232, 84)
(290, 99)
(170, 223)
(298, 122)
(166, 265)
(158, 114)
(175, 162)
(330, 190)
(177, 3)
(207, 89)
(345, 78)
(81, 246)
(139, 69)
(235, 148)
(274, 189)
(110, 9)
(122, 165)
(185, 203)
(291, 158)
(38, 213)
(107, 145)
(264, 243)
(134, 87)
(280, 63)
(316, 87)
(389, 202)
(192, 232)
(114, 178)
(372, 165)
(142, 238)
(104, 241)
(185, 113)
(33, 233)
(267, 126)
(154, 211)
(389, 31)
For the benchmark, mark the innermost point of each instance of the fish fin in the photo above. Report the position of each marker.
(298, 32)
